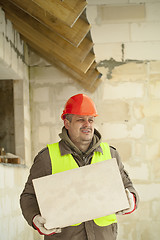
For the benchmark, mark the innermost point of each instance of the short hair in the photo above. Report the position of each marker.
(68, 117)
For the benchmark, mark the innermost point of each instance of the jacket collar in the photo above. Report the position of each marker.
(67, 146)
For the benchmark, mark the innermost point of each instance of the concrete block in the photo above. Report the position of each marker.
(155, 208)
(138, 154)
(153, 151)
(114, 131)
(122, 13)
(2, 186)
(6, 205)
(153, 129)
(1, 46)
(137, 131)
(114, 111)
(131, 71)
(47, 74)
(27, 131)
(121, 131)
(19, 44)
(155, 170)
(66, 91)
(99, 2)
(151, 108)
(10, 33)
(18, 90)
(26, 113)
(145, 1)
(65, 208)
(7, 52)
(110, 33)
(139, 172)
(148, 31)
(142, 50)
(124, 148)
(46, 116)
(155, 89)
(14, 61)
(154, 67)
(91, 14)
(127, 90)
(9, 178)
(153, 11)
(138, 110)
(107, 51)
(41, 94)
(44, 134)
(19, 112)
(149, 191)
(2, 21)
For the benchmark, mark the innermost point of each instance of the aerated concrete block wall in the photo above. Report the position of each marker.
(127, 47)
(12, 176)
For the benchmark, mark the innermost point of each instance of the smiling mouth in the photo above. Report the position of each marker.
(86, 130)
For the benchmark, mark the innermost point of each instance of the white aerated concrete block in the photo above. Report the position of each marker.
(142, 50)
(149, 191)
(110, 33)
(41, 94)
(145, 31)
(127, 90)
(121, 131)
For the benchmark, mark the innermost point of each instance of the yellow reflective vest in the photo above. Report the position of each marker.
(63, 163)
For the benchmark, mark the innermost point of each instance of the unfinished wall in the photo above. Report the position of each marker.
(127, 45)
(12, 176)
(127, 48)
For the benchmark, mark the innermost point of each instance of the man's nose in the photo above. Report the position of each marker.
(86, 123)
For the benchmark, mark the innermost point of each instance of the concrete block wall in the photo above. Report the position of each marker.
(13, 177)
(130, 29)
(128, 107)
(127, 47)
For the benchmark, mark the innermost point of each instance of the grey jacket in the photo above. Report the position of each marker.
(42, 167)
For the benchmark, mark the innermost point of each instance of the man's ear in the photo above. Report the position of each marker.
(66, 123)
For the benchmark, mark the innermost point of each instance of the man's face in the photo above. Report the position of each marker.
(80, 129)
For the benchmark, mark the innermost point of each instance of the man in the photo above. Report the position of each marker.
(80, 142)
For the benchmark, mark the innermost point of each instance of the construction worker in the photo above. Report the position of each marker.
(80, 141)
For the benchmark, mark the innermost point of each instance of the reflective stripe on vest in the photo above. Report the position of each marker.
(66, 162)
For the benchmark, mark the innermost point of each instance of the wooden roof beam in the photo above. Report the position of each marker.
(67, 11)
(73, 35)
(32, 35)
(78, 53)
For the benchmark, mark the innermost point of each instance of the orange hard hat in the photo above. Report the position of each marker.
(80, 104)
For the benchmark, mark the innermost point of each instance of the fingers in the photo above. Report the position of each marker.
(39, 221)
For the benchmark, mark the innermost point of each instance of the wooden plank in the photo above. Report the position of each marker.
(78, 53)
(38, 38)
(90, 185)
(73, 35)
(66, 11)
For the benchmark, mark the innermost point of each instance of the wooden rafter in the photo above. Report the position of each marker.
(70, 48)
(76, 53)
(66, 11)
(36, 33)
(73, 35)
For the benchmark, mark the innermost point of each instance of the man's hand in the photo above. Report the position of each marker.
(39, 222)
(132, 203)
